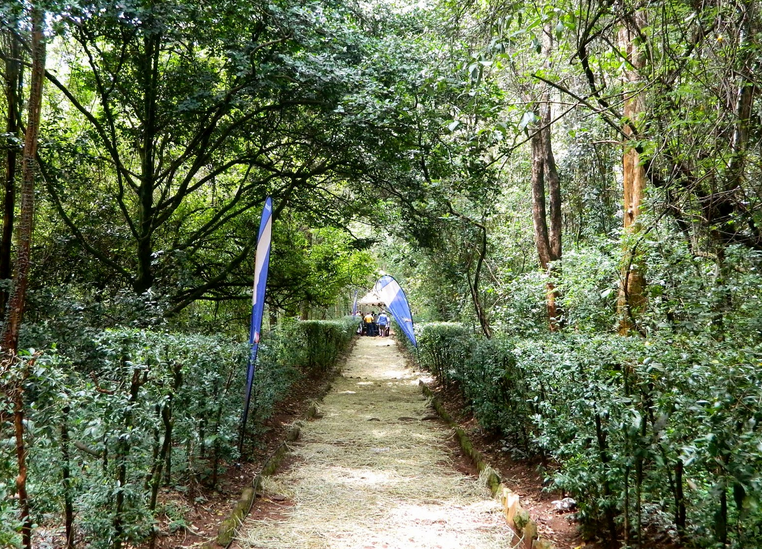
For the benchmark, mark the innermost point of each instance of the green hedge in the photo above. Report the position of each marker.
(443, 348)
(323, 342)
(664, 433)
(142, 409)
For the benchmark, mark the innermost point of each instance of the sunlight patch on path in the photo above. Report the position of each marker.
(373, 473)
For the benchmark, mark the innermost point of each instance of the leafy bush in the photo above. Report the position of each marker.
(323, 342)
(443, 348)
(642, 431)
(140, 409)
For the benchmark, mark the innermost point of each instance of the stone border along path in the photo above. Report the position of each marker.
(374, 472)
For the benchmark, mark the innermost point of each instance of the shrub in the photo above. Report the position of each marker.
(324, 341)
(443, 348)
(643, 431)
(141, 409)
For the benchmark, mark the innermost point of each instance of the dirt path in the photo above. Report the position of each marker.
(374, 472)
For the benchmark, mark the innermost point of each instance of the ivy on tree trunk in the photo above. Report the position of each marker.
(15, 309)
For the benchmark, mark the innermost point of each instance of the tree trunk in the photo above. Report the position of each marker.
(66, 478)
(539, 215)
(547, 239)
(15, 309)
(473, 285)
(632, 299)
(23, 495)
(150, 84)
(123, 447)
(680, 510)
(13, 79)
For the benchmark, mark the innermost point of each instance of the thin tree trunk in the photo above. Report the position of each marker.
(13, 79)
(680, 511)
(66, 479)
(474, 285)
(606, 489)
(15, 309)
(542, 241)
(632, 298)
(544, 171)
(123, 448)
(18, 423)
(14, 313)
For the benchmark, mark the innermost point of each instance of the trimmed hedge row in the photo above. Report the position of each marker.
(140, 410)
(323, 342)
(646, 435)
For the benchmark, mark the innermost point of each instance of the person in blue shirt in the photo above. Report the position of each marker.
(383, 324)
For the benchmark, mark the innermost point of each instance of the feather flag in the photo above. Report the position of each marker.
(261, 264)
(390, 292)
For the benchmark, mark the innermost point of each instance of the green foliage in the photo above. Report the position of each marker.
(176, 119)
(174, 122)
(621, 416)
(10, 526)
(323, 341)
(443, 347)
(311, 267)
(141, 409)
(588, 286)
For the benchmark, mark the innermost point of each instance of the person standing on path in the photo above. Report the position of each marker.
(370, 324)
(383, 324)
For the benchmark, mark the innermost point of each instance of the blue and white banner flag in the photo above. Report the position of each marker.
(392, 294)
(261, 264)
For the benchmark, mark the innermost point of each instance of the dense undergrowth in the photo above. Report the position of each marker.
(650, 436)
(114, 415)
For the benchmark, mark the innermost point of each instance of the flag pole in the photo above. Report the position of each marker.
(261, 264)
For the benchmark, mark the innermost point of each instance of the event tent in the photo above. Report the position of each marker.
(371, 299)
(388, 294)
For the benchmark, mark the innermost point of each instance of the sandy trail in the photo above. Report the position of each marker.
(374, 472)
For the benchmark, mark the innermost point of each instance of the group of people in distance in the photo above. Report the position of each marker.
(376, 325)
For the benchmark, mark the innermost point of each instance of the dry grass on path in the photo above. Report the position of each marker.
(374, 472)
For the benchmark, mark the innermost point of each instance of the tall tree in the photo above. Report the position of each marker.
(16, 302)
(632, 289)
(187, 115)
(9, 336)
(544, 171)
(11, 53)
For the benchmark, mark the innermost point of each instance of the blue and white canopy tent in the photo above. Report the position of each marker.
(390, 293)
